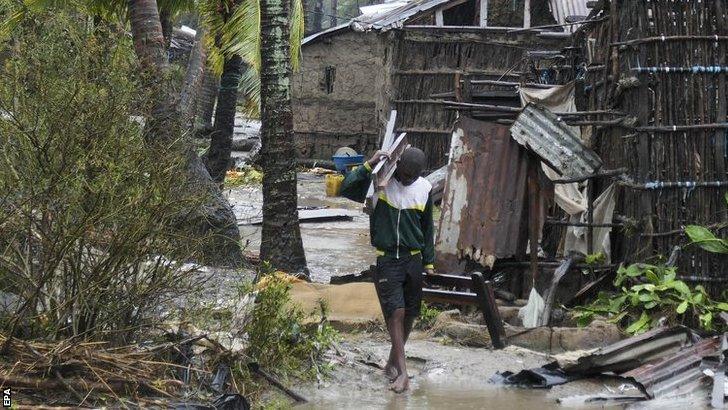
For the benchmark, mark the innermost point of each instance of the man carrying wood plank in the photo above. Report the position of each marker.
(402, 231)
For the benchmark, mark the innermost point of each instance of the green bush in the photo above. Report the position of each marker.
(277, 336)
(85, 206)
(704, 238)
(648, 294)
(428, 315)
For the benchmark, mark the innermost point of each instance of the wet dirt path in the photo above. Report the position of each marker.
(332, 248)
(442, 377)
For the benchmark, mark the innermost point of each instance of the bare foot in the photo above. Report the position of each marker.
(400, 384)
(391, 372)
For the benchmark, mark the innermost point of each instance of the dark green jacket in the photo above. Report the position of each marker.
(402, 219)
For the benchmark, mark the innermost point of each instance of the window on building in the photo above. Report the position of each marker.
(329, 78)
(464, 14)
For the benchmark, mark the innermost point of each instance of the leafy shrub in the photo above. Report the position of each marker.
(277, 336)
(85, 206)
(648, 294)
(703, 237)
(428, 315)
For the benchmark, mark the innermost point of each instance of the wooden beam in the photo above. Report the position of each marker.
(486, 302)
(423, 131)
(527, 14)
(449, 71)
(384, 170)
(512, 84)
(439, 20)
(451, 297)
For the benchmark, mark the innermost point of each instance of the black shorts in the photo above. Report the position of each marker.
(399, 284)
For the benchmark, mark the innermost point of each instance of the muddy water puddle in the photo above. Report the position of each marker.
(429, 394)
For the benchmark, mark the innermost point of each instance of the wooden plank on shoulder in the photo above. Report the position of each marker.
(384, 170)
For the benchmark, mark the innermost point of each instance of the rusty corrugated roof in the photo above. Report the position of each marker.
(661, 362)
(680, 373)
(629, 353)
(544, 133)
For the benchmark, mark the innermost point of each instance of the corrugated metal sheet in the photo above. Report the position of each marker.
(391, 19)
(630, 353)
(561, 9)
(483, 209)
(541, 131)
(662, 362)
(680, 373)
(323, 34)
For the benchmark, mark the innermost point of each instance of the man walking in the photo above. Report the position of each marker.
(401, 230)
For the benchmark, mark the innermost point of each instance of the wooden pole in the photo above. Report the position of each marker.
(533, 214)
(486, 300)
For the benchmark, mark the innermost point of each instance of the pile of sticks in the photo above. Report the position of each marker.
(83, 372)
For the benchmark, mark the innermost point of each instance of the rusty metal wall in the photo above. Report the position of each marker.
(484, 214)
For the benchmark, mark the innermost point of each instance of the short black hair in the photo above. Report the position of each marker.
(412, 161)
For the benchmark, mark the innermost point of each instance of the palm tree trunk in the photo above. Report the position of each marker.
(221, 139)
(281, 242)
(193, 80)
(206, 99)
(166, 19)
(214, 218)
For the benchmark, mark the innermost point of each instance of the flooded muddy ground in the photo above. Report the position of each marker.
(443, 375)
(332, 248)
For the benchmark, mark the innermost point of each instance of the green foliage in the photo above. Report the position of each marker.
(428, 315)
(278, 337)
(240, 34)
(703, 237)
(648, 293)
(247, 175)
(595, 259)
(85, 238)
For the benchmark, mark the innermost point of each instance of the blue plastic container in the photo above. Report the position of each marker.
(344, 163)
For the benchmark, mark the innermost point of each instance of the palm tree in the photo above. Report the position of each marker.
(215, 216)
(281, 242)
(221, 135)
(235, 52)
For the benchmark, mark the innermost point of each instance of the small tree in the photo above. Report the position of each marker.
(86, 247)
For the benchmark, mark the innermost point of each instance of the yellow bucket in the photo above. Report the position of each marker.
(333, 184)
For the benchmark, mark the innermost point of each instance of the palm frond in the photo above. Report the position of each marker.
(175, 7)
(240, 34)
(297, 32)
(250, 89)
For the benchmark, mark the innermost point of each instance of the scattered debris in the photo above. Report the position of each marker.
(255, 368)
(663, 362)
(314, 216)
